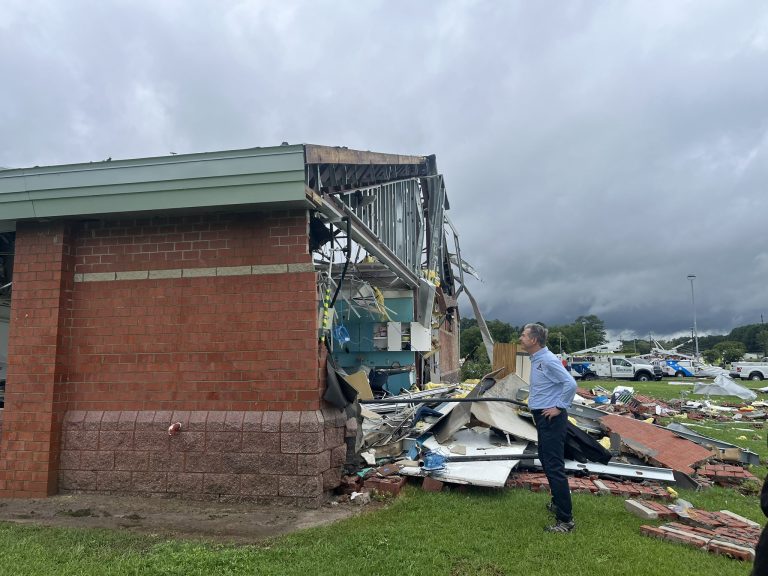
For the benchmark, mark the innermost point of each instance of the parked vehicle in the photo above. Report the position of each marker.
(582, 371)
(680, 368)
(615, 367)
(642, 365)
(750, 370)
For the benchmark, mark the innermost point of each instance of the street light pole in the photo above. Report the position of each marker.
(584, 328)
(692, 277)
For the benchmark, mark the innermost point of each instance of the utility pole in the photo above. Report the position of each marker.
(692, 277)
(584, 328)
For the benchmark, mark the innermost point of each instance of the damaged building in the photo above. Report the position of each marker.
(167, 321)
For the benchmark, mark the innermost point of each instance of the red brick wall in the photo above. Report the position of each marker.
(37, 359)
(240, 342)
(197, 314)
(192, 242)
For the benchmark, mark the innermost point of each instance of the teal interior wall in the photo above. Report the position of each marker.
(360, 350)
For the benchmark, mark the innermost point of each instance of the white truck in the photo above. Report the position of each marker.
(750, 370)
(590, 368)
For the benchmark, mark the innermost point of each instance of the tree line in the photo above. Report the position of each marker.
(589, 331)
(584, 332)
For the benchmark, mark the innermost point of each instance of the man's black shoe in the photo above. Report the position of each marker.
(561, 527)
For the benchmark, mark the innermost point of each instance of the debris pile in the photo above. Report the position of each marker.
(482, 434)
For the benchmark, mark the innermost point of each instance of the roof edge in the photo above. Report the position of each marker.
(316, 154)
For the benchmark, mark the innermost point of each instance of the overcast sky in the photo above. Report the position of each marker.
(595, 153)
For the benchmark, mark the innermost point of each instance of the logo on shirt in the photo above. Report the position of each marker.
(540, 367)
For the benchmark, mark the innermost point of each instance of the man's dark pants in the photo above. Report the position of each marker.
(552, 432)
(760, 566)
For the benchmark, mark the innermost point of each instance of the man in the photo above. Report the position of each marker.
(552, 391)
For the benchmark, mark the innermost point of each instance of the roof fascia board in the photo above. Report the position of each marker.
(219, 183)
(151, 170)
(255, 196)
(16, 206)
(232, 178)
(338, 155)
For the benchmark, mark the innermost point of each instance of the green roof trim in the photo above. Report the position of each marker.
(235, 178)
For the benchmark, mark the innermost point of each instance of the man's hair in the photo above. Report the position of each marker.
(538, 333)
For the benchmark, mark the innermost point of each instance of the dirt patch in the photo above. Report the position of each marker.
(173, 518)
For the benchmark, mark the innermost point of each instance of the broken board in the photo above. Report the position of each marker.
(476, 442)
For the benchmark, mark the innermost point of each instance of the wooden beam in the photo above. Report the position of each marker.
(315, 154)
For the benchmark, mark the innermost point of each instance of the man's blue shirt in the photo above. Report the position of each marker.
(551, 384)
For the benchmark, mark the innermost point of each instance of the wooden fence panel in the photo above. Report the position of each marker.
(505, 357)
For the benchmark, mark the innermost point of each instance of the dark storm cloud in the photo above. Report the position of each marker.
(595, 153)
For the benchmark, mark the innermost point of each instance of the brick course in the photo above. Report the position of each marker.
(191, 466)
(195, 241)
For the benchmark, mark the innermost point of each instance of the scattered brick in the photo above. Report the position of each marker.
(652, 531)
(741, 519)
(731, 550)
(389, 485)
(671, 533)
(655, 509)
(531, 480)
(717, 532)
(645, 406)
(577, 484)
(726, 474)
(537, 482)
(352, 483)
(431, 484)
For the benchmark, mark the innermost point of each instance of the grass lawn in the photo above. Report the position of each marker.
(672, 388)
(450, 533)
(740, 433)
(472, 532)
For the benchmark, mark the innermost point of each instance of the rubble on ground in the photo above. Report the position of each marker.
(481, 434)
(720, 532)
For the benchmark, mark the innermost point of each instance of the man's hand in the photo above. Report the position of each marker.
(551, 412)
